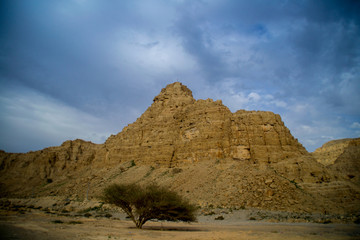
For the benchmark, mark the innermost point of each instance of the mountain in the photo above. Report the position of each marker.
(330, 151)
(342, 156)
(176, 130)
(198, 148)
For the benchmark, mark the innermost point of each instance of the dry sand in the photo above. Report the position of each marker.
(41, 226)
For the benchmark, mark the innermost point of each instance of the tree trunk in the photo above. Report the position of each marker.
(140, 222)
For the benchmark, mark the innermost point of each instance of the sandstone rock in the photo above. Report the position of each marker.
(27, 171)
(269, 193)
(268, 181)
(342, 156)
(176, 130)
(330, 151)
(348, 162)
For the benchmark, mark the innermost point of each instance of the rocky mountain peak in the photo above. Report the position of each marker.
(177, 130)
(174, 94)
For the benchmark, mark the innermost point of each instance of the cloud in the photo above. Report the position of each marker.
(355, 125)
(296, 51)
(254, 97)
(37, 121)
(314, 126)
(108, 59)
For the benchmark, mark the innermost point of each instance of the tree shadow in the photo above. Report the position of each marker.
(173, 228)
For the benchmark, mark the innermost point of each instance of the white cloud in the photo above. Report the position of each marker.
(279, 103)
(35, 121)
(306, 129)
(314, 126)
(254, 97)
(151, 57)
(355, 125)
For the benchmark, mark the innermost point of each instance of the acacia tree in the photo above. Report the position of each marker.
(144, 203)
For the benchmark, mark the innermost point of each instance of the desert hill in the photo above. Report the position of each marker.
(199, 148)
(330, 151)
(342, 156)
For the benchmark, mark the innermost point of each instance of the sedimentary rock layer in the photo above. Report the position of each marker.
(176, 129)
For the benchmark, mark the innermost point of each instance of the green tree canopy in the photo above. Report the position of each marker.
(144, 203)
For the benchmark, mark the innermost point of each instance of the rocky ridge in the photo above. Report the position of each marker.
(28, 172)
(197, 148)
(176, 129)
(330, 151)
(341, 156)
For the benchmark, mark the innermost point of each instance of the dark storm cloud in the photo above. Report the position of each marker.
(308, 48)
(106, 60)
(312, 36)
(66, 49)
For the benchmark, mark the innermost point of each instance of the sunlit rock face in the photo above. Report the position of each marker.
(177, 129)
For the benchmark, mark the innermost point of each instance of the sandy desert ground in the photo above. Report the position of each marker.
(36, 224)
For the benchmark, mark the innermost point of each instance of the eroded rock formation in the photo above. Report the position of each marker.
(176, 129)
(23, 172)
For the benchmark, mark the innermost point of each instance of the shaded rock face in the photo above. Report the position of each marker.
(341, 156)
(23, 171)
(348, 162)
(51, 161)
(176, 129)
(330, 151)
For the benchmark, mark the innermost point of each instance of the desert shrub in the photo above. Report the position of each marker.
(57, 221)
(144, 203)
(219, 218)
(75, 222)
(327, 221)
(176, 170)
(89, 209)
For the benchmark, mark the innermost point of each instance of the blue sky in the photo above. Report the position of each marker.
(86, 68)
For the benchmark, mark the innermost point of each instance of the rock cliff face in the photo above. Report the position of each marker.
(23, 171)
(176, 130)
(348, 162)
(341, 156)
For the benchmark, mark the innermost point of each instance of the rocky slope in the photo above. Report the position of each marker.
(341, 156)
(27, 173)
(330, 151)
(196, 147)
